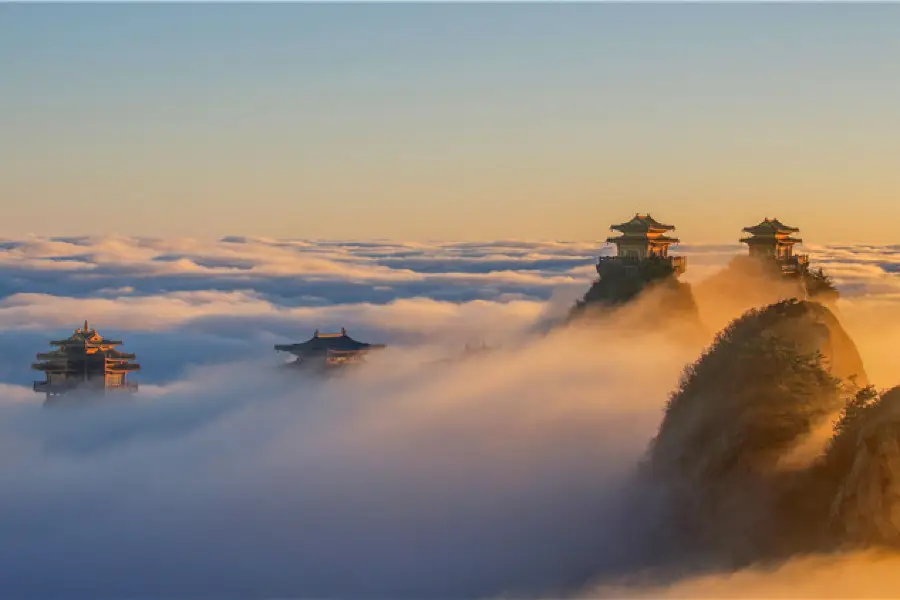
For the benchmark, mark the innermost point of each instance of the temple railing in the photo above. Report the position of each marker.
(61, 388)
(678, 263)
(795, 264)
(339, 357)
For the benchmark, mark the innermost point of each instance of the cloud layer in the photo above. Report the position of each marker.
(504, 474)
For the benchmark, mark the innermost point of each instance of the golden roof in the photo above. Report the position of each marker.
(642, 224)
(770, 227)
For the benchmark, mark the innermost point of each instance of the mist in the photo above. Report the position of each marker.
(506, 474)
(862, 574)
(512, 473)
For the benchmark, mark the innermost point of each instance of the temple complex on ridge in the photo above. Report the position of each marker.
(643, 239)
(774, 240)
(328, 350)
(85, 361)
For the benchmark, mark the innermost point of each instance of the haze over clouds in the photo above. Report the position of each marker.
(510, 473)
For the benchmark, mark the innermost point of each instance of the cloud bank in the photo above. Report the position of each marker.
(506, 474)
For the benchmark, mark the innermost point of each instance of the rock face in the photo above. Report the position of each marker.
(651, 290)
(812, 327)
(761, 393)
(864, 462)
(770, 447)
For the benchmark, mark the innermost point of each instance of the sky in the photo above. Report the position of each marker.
(452, 121)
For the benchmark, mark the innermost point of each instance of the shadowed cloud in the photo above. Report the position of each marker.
(411, 477)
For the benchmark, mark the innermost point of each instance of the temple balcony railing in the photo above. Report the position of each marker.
(56, 387)
(792, 268)
(341, 357)
(678, 263)
(795, 264)
(65, 387)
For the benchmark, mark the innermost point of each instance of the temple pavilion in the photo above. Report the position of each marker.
(328, 350)
(772, 239)
(85, 361)
(643, 238)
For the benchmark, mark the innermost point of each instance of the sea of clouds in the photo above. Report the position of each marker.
(410, 477)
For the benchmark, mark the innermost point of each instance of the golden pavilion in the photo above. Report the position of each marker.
(643, 238)
(772, 239)
(84, 361)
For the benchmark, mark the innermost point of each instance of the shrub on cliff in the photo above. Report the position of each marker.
(820, 285)
(861, 471)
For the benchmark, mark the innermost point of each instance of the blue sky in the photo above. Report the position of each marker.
(457, 121)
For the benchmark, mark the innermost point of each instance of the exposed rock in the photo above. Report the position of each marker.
(770, 383)
(865, 460)
(812, 327)
(652, 294)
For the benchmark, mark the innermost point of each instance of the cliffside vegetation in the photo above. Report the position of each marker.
(862, 471)
(746, 453)
(820, 286)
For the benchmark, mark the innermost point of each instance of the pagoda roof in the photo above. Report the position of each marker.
(322, 343)
(86, 337)
(771, 227)
(762, 239)
(661, 239)
(641, 224)
(64, 354)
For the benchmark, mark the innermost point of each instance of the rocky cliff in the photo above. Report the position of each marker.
(747, 422)
(652, 293)
(863, 463)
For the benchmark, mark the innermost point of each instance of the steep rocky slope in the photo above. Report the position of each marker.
(748, 420)
(864, 464)
(648, 297)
